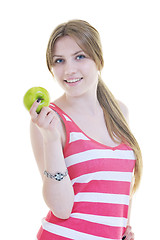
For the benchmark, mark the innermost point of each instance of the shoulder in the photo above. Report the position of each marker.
(124, 110)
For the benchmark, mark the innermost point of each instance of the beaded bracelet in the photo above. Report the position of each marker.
(58, 176)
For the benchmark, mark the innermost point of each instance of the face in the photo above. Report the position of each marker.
(74, 70)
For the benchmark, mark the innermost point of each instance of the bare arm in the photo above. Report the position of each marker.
(47, 147)
(130, 202)
(128, 234)
(125, 112)
(129, 212)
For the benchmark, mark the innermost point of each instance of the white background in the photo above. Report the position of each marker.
(130, 34)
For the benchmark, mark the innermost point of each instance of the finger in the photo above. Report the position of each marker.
(33, 109)
(45, 112)
(41, 117)
(44, 118)
(54, 121)
(50, 117)
(128, 230)
(130, 236)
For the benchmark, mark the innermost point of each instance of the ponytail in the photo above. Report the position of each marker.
(118, 128)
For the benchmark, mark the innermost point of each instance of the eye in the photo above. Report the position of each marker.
(59, 60)
(80, 57)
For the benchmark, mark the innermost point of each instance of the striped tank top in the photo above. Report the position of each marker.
(101, 178)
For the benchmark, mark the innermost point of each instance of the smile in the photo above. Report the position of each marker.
(73, 80)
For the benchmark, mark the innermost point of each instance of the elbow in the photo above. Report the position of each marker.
(62, 214)
(59, 198)
(60, 207)
(61, 211)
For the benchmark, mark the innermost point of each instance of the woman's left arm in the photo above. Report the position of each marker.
(129, 212)
(128, 235)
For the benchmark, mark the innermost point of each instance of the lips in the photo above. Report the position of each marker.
(73, 80)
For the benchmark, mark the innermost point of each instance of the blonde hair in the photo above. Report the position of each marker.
(87, 37)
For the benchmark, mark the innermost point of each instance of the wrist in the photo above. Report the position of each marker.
(52, 140)
(53, 156)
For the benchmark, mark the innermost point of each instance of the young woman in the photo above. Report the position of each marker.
(88, 158)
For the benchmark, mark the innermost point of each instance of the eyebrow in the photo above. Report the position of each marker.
(72, 54)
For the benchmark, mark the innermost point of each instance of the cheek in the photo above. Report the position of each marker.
(57, 72)
(91, 70)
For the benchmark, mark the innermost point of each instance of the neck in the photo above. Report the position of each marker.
(83, 105)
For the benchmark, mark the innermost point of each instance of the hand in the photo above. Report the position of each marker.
(128, 235)
(47, 121)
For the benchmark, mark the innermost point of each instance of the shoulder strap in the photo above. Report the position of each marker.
(68, 122)
(66, 119)
(73, 132)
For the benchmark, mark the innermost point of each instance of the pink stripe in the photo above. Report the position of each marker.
(82, 168)
(102, 186)
(101, 209)
(80, 145)
(89, 227)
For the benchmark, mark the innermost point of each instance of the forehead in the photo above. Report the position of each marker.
(66, 45)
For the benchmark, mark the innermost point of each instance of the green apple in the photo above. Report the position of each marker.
(34, 94)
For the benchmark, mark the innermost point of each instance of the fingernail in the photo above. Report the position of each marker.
(124, 238)
(38, 100)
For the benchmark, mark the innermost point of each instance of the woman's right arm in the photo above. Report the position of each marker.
(46, 128)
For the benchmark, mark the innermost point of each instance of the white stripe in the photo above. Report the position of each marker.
(52, 104)
(75, 136)
(104, 175)
(69, 233)
(102, 198)
(99, 153)
(63, 114)
(67, 119)
(109, 221)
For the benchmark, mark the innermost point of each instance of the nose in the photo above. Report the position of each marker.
(70, 68)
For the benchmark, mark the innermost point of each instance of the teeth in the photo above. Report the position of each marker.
(74, 80)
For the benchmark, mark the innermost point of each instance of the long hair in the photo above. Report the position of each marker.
(87, 37)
